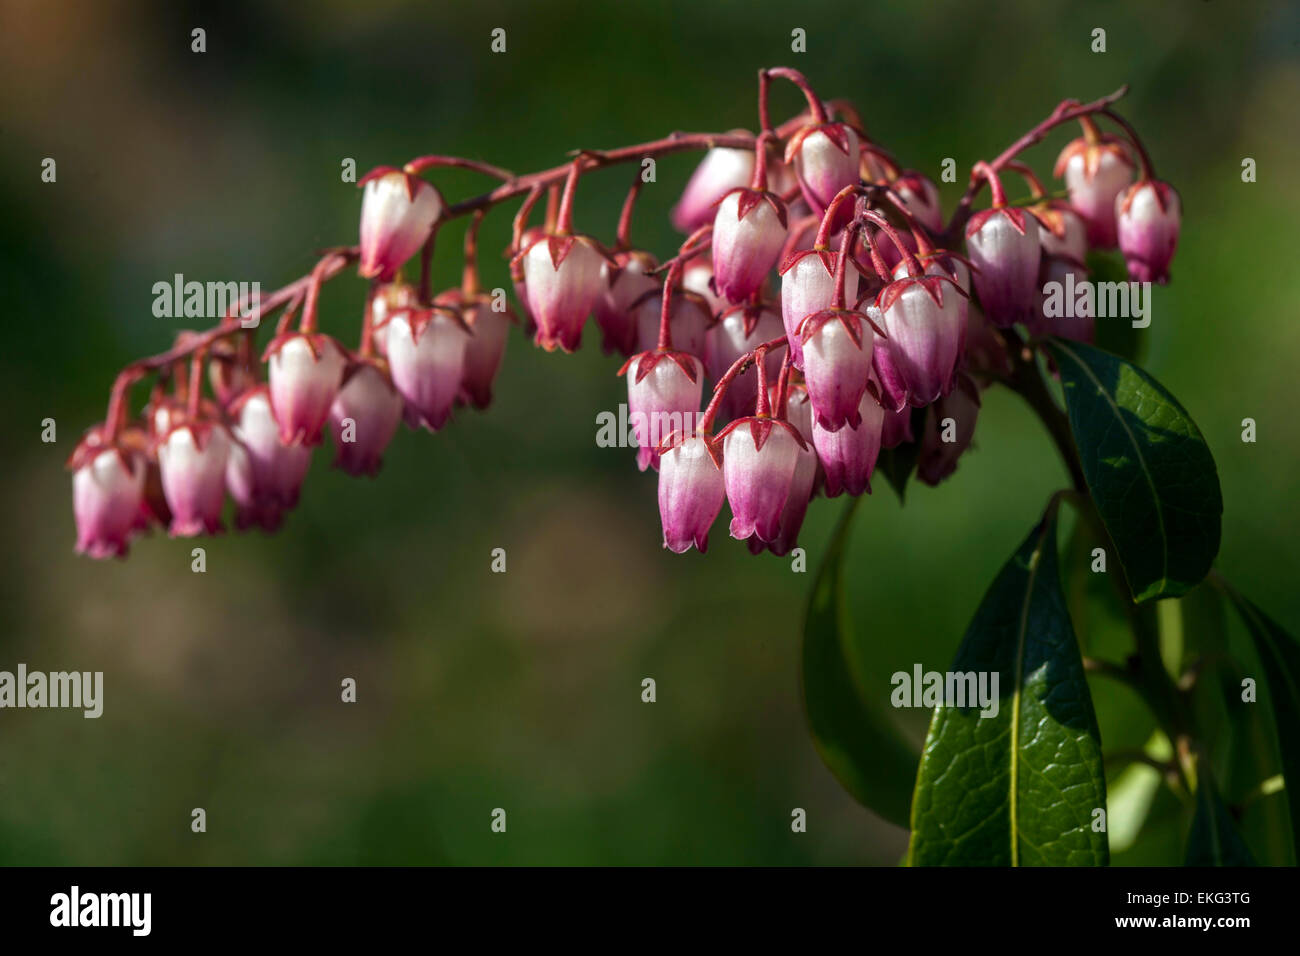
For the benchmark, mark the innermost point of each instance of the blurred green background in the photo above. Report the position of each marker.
(522, 690)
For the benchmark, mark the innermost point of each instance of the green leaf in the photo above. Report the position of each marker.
(1149, 470)
(897, 464)
(1279, 654)
(1020, 788)
(854, 734)
(1214, 840)
(1117, 334)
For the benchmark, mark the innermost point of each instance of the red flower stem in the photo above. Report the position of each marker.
(783, 385)
(759, 179)
(623, 236)
(1065, 112)
(842, 262)
(469, 276)
(828, 218)
(762, 409)
(1148, 168)
(1029, 176)
(995, 184)
(666, 305)
(367, 346)
(266, 304)
(289, 314)
(421, 163)
(308, 323)
(738, 367)
(815, 107)
(195, 384)
(913, 267)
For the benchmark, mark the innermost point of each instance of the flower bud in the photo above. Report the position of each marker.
(848, 455)
(896, 429)
(748, 232)
(305, 371)
(741, 329)
(364, 417)
(808, 286)
(1148, 214)
(796, 504)
(1095, 174)
(1063, 313)
(390, 298)
(691, 492)
(398, 211)
(825, 160)
(622, 285)
(921, 196)
(689, 321)
(697, 277)
(663, 397)
(720, 171)
(487, 347)
(925, 319)
(949, 427)
(192, 460)
(758, 464)
(837, 347)
(107, 494)
(1005, 250)
(1063, 231)
(263, 475)
(562, 274)
(426, 356)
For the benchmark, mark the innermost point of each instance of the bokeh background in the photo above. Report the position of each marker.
(522, 690)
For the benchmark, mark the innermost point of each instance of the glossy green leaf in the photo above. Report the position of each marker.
(1149, 470)
(1022, 787)
(1214, 840)
(1279, 655)
(852, 731)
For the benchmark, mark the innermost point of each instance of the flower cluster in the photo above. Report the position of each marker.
(819, 290)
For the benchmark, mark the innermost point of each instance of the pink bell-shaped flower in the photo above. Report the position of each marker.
(837, 347)
(1004, 247)
(107, 493)
(691, 492)
(825, 159)
(1060, 311)
(391, 298)
(426, 356)
(921, 196)
(925, 319)
(1148, 215)
(720, 171)
(305, 370)
(192, 461)
(949, 427)
(1095, 174)
(489, 330)
(563, 278)
(808, 286)
(398, 211)
(663, 397)
(688, 323)
(802, 484)
(748, 232)
(848, 455)
(896, 429)
(1062, 230)
(740, 330)
(758, 463)
(624, 282)
(263, 475)
(697, 277)
(364, 417)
